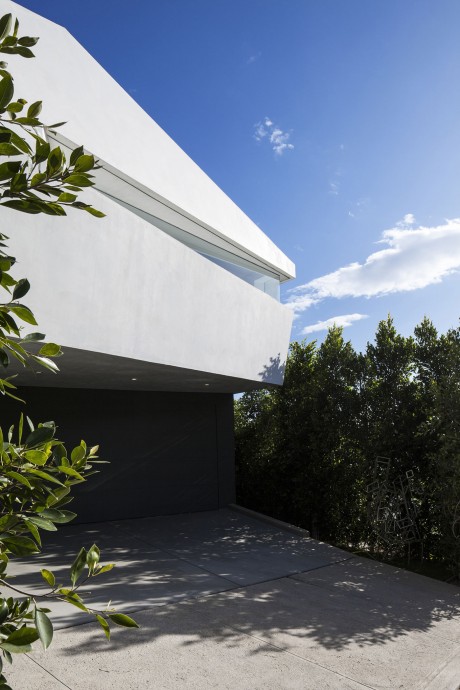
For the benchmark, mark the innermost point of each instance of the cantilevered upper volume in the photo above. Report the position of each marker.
(157, 175)
(176, 289)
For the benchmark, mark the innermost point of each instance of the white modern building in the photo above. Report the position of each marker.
(164, 308)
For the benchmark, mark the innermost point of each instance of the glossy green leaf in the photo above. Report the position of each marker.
(7, 522)
(38, 179)
(20, 546)
(104, 625)
(9, 150)
(33, 337)
(4, 610)
(104, 569)
(94, 212)
(45, 362)
(77, 179)
(23, 313)
(55, 161)
(16, 649)
(33, 529)
(6, 91)
(66, 198)
(50, 350)
(84, 163)
(72, 599)
(20, 143)
(34, 109)
(28, 41)
(44, 475)
(78, 566)
(42, 523)
(42, 150)
(48, 576)
(21, 205)
(21, 288)
(41, 434)
(59, 516)
(123, 620)
(92, 557)
(4, 359)
(22, 636)
(8, 169)
(78, 453)
(70, 472)
(18, 477)
(36, 457)
(15, 107)
(44, 628)
(5, 25)
(75, 155)
(25, 52)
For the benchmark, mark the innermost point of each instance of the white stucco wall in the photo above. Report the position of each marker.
(103, 117)
(122, 287)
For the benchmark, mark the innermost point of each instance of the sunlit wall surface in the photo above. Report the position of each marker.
(251, 272)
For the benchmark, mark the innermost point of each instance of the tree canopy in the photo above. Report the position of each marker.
(352, 435)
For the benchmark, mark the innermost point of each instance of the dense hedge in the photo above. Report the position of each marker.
(306, 452)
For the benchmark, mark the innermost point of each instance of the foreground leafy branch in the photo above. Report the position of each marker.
(36, 471)
(33, 179)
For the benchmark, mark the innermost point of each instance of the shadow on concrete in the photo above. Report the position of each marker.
(287, 608)
(264, 583)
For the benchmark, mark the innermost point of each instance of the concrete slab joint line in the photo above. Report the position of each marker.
(29, 656)
(447, 677)
(305, 659)
(298, 615)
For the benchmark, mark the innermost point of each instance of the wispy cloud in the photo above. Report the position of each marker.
(344, 320)
(253, 58)
(358, 207)
(413, 258)
(334, 182)
(407, 221)
(277, 139)
(334, 188)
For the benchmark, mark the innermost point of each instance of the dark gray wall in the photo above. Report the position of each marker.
(168, 452)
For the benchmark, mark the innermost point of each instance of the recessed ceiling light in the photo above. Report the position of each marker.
(133, 379)
(207, 384)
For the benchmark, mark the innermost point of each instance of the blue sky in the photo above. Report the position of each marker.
(334, 125)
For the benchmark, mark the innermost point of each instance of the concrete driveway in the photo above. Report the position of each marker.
(225, 600)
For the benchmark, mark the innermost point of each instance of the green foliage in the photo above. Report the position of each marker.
(33, 179)
(305, 452)
(36, 471)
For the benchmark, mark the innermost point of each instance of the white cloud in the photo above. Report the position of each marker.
(334, 188)
(344, 320)
(334, 182)
(260, 132)
(409, 219)
(414, 257)
(254, 58)
(279, 140)
(357, 208)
